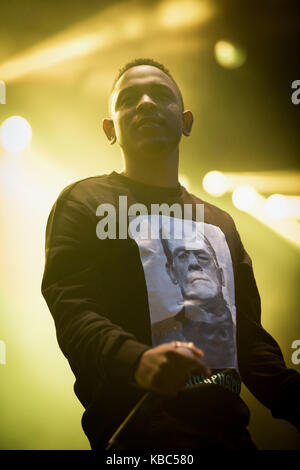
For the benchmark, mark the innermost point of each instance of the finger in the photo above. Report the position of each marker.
(189, 354)
(196, 350)
(190, 345)
(190, 350)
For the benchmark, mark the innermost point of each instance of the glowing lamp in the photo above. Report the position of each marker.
(15, 134)
(228, 55)
(215, 183)
(244, 198)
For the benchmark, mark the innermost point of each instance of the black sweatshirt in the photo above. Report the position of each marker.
(102, 299)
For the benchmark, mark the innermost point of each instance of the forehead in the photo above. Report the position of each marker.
(143, 76)
(177, 244)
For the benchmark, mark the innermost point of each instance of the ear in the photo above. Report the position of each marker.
(187, 122)
(109, 129)
(221, 276)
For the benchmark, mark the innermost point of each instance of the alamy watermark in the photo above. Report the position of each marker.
(2, 352)
(114, 221)
(296, 94)
(2, 92)
(296, 354)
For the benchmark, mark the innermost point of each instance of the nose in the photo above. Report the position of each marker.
(146, 102)
(193, 262)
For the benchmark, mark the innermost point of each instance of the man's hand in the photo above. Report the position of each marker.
(165, 369)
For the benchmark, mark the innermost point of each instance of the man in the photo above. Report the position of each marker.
(205, 317)
(103, 301)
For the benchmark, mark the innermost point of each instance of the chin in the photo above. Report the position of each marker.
(199, 296)
(153, 150)
(154, 145)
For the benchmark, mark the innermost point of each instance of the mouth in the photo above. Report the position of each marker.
(149, 121)
(195, 279)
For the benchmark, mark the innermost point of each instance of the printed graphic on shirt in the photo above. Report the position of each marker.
(190, 285)
(227, 380)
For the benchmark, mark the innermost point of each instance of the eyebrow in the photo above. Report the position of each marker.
(135, 88)
(198, 251)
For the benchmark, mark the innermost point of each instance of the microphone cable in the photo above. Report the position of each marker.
(113, 440)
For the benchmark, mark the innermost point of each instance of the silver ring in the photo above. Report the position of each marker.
(179, 344)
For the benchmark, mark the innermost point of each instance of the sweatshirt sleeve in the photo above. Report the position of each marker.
(261, 362)
(73, 289)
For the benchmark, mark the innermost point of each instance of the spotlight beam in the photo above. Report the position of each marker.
(286, 182)
(287, 228)
(109, 28)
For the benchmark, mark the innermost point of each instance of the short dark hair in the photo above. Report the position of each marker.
(169, 254)
(146, 61)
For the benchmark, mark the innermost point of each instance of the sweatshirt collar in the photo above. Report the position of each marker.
(148, 189)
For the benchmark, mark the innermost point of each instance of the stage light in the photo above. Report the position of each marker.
(15, 134)
(2, 92)
(244, 198)
(228, 55)
(176, 14)
(184, 181)
(133, 28)
(274, 206)
(111, 27)
(215, 183)
(279, 206)
(287, 228)
(266, 182)
(51, 55)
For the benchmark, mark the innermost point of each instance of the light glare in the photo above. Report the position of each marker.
(215, 183)
(183, 180)
(228, 55)
(244, 198)
(280, 207)
(15, 134)
(176, 14)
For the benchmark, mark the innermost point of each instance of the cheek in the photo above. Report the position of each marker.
(212, 274)
(174, 116)
(121, 125)
(180, 270)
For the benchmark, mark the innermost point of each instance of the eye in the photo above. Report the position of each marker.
(182, 255)
(127, 99)
(202, 259)
(163, 94)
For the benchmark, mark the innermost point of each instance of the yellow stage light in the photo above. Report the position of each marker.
(215, 183)
(179, 13)
(267, 182)
(133, 28)
(15, 134)
(2, 92)
(279, 206)
(244, 198)
(228, 55)
(184, 181)
(107, 30)
(288, 228)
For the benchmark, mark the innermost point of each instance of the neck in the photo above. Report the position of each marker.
(162, 171)
(198, 313)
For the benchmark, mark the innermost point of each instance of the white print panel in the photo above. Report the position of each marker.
(190, 284)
